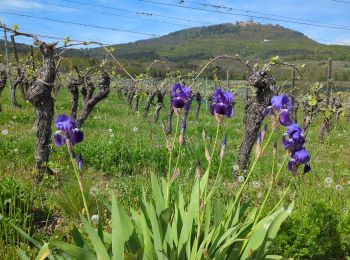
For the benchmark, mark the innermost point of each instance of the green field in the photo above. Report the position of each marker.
(122, 149)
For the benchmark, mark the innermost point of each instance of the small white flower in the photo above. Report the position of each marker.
(4, 132)
(14, 117)
(338, 187)
(110, 130)
(235, 168)
(95, 219)
(55, 170)
(256, 184)
(111, 135)
(135, 129)
(94, 191)
(259, 195)
(328, 180)
(240, 178)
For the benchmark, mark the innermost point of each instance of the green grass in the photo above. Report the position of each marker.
(123, 160)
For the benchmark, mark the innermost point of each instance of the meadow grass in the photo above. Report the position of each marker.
(122, 149)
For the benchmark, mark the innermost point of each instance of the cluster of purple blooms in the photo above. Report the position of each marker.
(180, 97)
(222, 104)
(67, 131)
(68, 134)
(222, 101)
(293, 140)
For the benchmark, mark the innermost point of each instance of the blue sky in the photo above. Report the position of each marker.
(129, 25)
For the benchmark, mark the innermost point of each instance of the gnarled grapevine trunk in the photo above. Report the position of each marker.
(327, 122)
(131, 95)
(198, 105)
(170, 119)
(3, 80)
(347, 116)
(254, 107)
(91, 101)
(137, 102)
(74, 90)
(149, 102)
(310, 113)
(39, 94)
(294, 110)
(338, 110)
(160, 98)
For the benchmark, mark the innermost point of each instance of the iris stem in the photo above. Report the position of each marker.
(270, 188)
(215, 183)
(170, 160)
(212, 154)
(77, 174)
(283, 196)
(201, 216)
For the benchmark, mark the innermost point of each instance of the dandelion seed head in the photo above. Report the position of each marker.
(135, 129)
(256, 184)
(95, 219)
(94, 191)
(328, 180)
(241, 178)
(110, 130)
(4, 132)
(259, 195)
(338, 187)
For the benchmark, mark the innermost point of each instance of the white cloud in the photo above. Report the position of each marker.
(20, 4)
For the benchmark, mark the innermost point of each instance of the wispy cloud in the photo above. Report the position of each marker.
(21, 4)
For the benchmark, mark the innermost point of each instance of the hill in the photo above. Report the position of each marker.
(187, 49)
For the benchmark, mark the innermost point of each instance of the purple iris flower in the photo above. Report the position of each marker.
(299, 156)
(180, 96)
(223, 103)
(280, 105)
(281, 102)
(295, 139)
(67, 130)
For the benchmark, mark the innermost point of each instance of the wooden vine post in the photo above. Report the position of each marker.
(294, 100)
(328, 114)
(12, 93)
